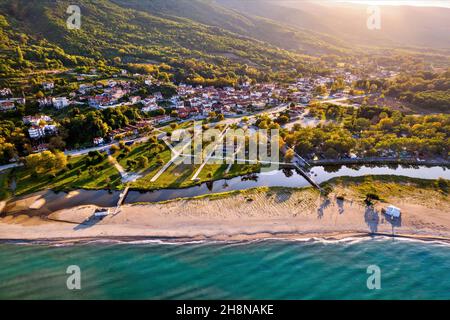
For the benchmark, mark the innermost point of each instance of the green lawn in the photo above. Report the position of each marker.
(184, 125)
(104, 175)
(68, 179)
(4, 188)
(180, 176)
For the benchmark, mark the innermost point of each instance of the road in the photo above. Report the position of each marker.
(176, 154)
(338, 101)
(10, 166)
(81, 152)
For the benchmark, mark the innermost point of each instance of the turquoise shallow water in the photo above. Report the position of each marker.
(255, 270)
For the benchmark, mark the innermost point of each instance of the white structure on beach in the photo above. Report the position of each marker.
(393, 212)
(101, 213)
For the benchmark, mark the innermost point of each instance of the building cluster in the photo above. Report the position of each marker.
(111, 94)
(10, 104)
(199, 102)
(188, 103)
(40, 126)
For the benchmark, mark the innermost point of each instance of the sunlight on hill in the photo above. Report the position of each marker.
(445, 4)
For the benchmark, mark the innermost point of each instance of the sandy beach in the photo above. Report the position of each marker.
(253, 214)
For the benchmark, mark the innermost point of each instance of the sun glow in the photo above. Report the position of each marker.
(416, 3)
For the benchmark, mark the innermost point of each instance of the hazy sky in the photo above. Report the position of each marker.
(421, 3)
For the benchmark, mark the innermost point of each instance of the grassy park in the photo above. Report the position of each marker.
(95, 171)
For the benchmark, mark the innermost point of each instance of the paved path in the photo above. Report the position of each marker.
(10, 166)
(216, 144)
(126, 176)
(176, 154)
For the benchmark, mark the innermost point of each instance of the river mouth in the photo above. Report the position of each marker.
(49, 201)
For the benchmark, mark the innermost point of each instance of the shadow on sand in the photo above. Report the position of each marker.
(372, 218)
(325, 204)
(340, 203)
(394, 222)
(88, 223)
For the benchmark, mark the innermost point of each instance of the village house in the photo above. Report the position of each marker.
(97, 101)
(84, 88)
(37, 120)
(7, 105)
(150, 107)
(48, 85)
(158, 96)
(112, 83)
(60, 103)
(98, 141)
(37, 132)
(135, 99)
(5, 92)
(161, 119)
(149, 100)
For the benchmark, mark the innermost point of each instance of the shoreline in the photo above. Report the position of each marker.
(244, 239)
(248, 215)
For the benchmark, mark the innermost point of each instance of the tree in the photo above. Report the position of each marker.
(19, 53)
(142, 161)
(443, 185)
(131, 163)
(283, 119)
(114, 149)
(46, 162)
(320, 90)
(57, 143)
(361, 124)
(289, 156)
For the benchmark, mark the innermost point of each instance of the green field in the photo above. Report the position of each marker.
(75, 176)
(80, 174)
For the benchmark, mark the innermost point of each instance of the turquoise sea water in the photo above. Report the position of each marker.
(256, 270)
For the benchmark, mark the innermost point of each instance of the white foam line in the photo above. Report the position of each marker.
(347, 240)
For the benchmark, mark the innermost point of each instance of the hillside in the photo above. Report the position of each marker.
(121, 32)
(401, 26)
(213, 13)
(203, 41)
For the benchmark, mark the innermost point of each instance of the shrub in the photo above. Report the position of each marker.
(442, 184)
